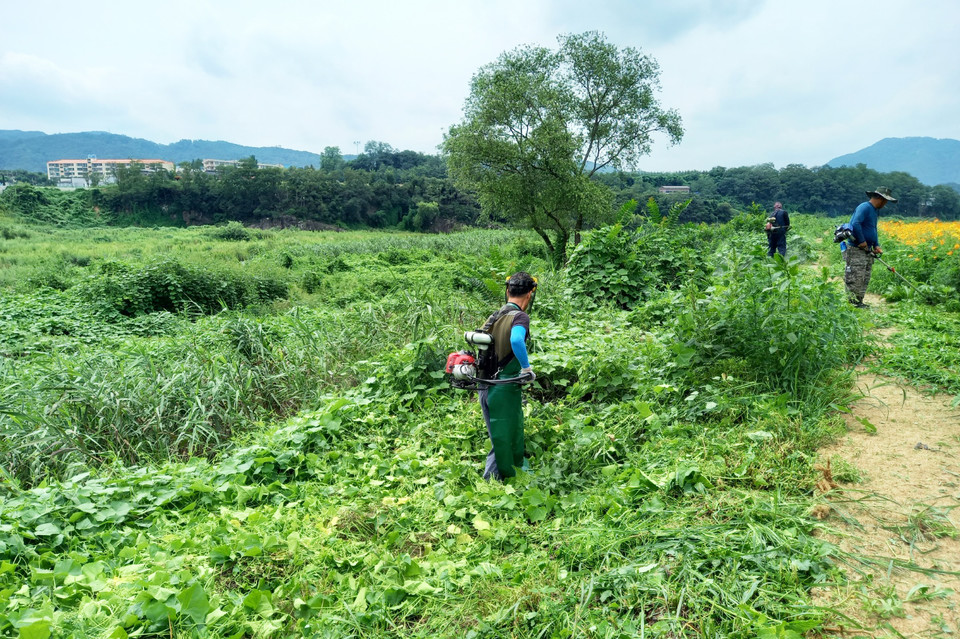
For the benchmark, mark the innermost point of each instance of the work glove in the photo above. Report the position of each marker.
(527, 375)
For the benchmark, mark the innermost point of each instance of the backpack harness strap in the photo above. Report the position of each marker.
(501, 332)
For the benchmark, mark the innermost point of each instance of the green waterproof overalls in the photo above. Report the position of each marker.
(502, 407)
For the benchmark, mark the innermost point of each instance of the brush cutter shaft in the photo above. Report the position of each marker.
(891, 269)
(894, 271)
(475, 383)
(519, 379)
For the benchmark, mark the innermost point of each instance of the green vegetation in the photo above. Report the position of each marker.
(539, 124)
(223, 431)
(925, 349)
(113, 339)
(12, 176)
(387, 189)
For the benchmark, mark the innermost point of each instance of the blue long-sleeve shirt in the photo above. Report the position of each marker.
(518, 337)
(864, 225)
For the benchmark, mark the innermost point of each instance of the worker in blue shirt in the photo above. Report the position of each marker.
(865, 245)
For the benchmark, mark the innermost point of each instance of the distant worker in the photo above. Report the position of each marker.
(865, 245)
(501, 404)
(777, 226)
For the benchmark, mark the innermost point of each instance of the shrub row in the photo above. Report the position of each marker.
(168, 285)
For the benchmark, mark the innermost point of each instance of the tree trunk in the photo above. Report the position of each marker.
(546, 239)
(559, 253)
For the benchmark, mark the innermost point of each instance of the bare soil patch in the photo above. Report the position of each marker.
(902, 517)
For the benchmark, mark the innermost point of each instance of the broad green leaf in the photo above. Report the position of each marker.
(640, 482)
(36, 630)
(252, 546)
(46, 530)
(360, 601)
(537, 513)
(413, 570)
(92, 576)
(393, 596)
(194, 603)
(421, 588)
(480, 524)
(157, 611)
(533, 497)
(220, 554)
(259, 601)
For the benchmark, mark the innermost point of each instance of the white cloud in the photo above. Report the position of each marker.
(754, 81)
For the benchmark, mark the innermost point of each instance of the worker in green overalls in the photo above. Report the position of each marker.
(501, 403)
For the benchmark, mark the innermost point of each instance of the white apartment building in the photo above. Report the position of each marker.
(211, 166)
(78, 172)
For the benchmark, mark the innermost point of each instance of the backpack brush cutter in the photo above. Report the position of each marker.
(771, 221)
(466, 367)
(844, 233)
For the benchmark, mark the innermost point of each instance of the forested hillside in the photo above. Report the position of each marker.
(827, 190)
(31, 150)
(412, 191)
(930, 160)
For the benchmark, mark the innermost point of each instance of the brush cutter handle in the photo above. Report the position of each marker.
(519, 379)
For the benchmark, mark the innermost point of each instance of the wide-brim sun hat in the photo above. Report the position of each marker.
(883, 192)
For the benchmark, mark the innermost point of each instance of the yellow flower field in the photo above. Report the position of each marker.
(932, 235)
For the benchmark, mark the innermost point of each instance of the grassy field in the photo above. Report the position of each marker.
(237, 433)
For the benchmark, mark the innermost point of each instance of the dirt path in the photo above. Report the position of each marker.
(902, 516)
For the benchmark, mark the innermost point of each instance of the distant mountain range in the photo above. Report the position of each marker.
(931, 160)
(31, 150)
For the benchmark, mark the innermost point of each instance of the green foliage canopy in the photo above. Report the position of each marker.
(538, 124)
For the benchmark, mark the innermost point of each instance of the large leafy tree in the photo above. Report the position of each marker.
(539, 123)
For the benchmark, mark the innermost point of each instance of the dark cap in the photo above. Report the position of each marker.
(521, 283)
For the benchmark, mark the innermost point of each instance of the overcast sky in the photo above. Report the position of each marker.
(781, 81)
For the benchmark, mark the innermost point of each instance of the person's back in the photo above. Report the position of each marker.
(502, 403)
(777, 226)
(500, 325)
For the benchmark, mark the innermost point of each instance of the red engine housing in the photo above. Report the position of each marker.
(458, 358)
